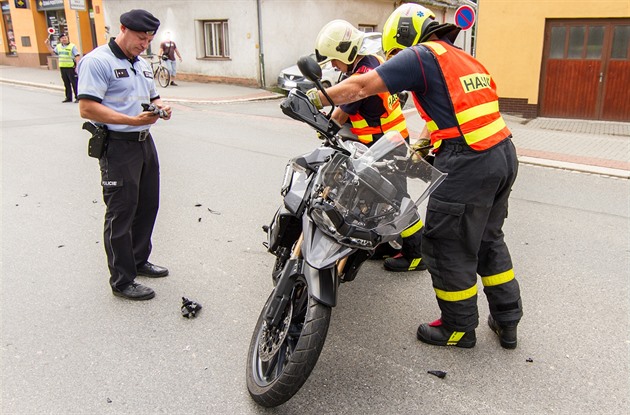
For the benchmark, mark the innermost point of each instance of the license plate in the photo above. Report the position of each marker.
(290, 84)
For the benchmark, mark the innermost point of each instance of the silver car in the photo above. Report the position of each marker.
(291, 77)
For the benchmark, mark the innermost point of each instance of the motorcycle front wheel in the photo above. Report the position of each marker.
(281, 358)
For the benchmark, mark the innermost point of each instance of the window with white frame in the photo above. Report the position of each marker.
(216, 39)
(367, 28)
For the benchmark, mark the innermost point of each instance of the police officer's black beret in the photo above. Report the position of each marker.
(140, 20)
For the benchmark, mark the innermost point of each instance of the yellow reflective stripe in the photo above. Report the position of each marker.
(485, 132)
(391, 117)
(432, 126)
(365, 138)
(359, 123)
(456, 295)
(400, 127)
(455, 337)
(414, 263)
(437, 48)
(412, 229)
(498, 279)
(477, 111)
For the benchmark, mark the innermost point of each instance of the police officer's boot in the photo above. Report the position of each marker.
(439, 335)
(505, 331)
(400, 263)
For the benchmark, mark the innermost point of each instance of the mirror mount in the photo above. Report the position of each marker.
(313, 72)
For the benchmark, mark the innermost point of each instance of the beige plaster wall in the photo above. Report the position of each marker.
(510, 37)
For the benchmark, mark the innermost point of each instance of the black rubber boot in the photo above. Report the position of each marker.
(506, 332)
(438, 335)
(401, 264)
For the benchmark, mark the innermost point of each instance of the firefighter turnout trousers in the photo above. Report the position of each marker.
(130, 177)
(463, 234)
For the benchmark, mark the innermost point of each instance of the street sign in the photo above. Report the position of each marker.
(465, 17)
(78, 5)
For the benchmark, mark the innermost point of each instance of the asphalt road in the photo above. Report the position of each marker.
(69, 347)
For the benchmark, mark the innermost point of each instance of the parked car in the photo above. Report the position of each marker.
(291, 77)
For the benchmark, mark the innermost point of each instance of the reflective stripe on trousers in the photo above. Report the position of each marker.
(463, 234)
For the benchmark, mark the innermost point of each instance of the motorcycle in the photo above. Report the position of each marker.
(340, 202)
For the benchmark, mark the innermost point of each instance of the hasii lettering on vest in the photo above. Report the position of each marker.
(475, 82)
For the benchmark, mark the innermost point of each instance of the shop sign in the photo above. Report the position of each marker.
(20, 4)
(49, 5)
(77, 5)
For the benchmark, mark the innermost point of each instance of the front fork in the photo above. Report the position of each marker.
(322, 283)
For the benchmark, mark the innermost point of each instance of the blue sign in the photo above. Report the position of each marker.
(465, 17)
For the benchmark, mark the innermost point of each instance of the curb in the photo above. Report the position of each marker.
(583, 168)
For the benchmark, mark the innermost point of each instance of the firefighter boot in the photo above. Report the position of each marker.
(384, 251)
(505, 331)
(437, 334)
(400, 263)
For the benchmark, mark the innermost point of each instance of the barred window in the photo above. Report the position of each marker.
(216, 39)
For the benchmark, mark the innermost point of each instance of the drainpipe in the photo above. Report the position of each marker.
(261, 55)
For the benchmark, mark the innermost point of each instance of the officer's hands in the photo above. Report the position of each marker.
(145, 118)
(167, 110)
(313, 96)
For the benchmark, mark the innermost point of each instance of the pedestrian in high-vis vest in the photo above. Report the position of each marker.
(68, 58)
(354, 53)
(463, 233)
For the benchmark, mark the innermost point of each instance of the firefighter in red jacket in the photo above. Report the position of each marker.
(463, 233)
(354, 53)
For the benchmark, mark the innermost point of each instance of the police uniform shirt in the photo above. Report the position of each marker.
(107, 76)
(415, 69)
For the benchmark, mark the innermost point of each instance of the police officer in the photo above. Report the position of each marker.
(113, 84)
(68, 56)
(353, 53)
(463, 235)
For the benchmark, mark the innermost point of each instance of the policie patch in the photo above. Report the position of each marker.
(121, 73)
(111, 183)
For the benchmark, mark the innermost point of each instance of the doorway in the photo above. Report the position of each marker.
(586, 69)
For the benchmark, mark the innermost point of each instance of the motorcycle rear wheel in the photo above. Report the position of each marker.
(280, 360)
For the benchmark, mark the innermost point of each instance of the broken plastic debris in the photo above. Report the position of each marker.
(440, 374)
(190, 308)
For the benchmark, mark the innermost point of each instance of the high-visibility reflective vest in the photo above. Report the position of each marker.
(66, 60)
(369, 130)
(473, 96)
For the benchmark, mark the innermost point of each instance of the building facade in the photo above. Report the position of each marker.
(246, 42)
(26, 24)
(554, 58)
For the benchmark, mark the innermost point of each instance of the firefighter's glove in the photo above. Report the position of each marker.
(420, 149)
(313, 96)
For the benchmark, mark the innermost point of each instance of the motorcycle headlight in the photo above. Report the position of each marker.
(288, 176)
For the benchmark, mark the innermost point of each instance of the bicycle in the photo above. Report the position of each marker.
(160, 72)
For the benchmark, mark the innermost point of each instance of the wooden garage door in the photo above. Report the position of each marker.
(586, 69)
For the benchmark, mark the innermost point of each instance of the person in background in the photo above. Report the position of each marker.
(463, 236)
(168, 50)
(354, 53)
(68, 58)
(113, 84)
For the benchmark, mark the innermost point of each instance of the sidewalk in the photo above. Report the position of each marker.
(599, 147)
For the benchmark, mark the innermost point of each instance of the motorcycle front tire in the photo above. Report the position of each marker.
(273, 382)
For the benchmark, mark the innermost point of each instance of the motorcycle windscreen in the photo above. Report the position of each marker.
(381, 190)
